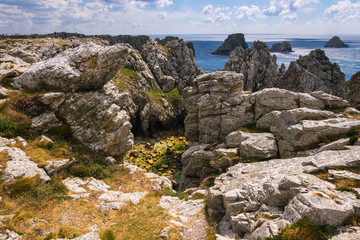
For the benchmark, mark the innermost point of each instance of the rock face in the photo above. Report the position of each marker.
(217, 106)
(87, 67)
(259, 199)
(256, 64)
(210, 106)
(284, 47)
(335, 42)
(98, 121)
(174, 59)
(233, 41)
(314, 72)
(353, 90)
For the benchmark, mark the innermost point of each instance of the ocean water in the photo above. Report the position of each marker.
(347, 58)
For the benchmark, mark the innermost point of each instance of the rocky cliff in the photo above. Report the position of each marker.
(231, 42)
(353, 88)
(256, 64)
(314, 72)
(335, 42)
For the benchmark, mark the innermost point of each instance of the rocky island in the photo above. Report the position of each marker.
(103, 140)
(230, 43)
(335, 42)
(284, 47)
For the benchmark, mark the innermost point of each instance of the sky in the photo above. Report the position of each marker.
(180, 16)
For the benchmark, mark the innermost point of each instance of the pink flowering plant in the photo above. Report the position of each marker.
(30, 106)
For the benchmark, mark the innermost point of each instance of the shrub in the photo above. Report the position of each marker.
(108, 235)
(353, 140)
(7, 126)
(30, 106)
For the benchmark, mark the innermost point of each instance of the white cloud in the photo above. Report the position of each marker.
(162, 15)
(208, 9)
(219, 14)
(221, 17)
(247, 13)
(287, 8)
(344, 11)
(208, 19)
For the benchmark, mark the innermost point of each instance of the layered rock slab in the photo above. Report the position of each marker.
(282, 191)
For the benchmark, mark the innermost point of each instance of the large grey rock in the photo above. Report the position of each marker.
(353, 86)
(174, 59)
(256, 64)
(308, 134)
(189, 213)
(318, 208)
(213, 106)
(97, 121)
(20, 166)
(45, 121)
(314, 72)
(259, 199)
(56, 166)
(196, 166)
(87, 67)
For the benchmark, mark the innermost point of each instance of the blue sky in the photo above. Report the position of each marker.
(180, 16)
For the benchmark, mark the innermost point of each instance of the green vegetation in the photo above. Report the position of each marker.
(173, 97)
(163, 158)
(35, 192)
(304, 230)
(124, 78)
(251, 128)
(343, 185)
(108, 235)
(168, 192)
(354, 135)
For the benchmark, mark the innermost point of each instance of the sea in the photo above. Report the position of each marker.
(347, 58)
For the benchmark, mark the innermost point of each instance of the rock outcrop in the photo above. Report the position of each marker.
(284, 47)
(259, 199)
(335, 42)
(174, 60)
(87, 67)
(256, 64)
(313, 72)
(231, 42)
(353, 90)
(98, 121)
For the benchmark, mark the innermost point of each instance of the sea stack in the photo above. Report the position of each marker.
(284, 47)
(232, 41)
(335, 42)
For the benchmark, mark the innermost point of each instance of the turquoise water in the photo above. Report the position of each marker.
(347, 58)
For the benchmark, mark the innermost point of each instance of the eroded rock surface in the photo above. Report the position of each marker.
(256, 64)
(258, 199)
(87, 67)
(353, 86)
(314, 72)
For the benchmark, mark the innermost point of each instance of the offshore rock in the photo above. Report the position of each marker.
(231, 42)
(84, 68)
(314, 72)
(335, 42)
(256, 64)
(284, 47)
(353, 90)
